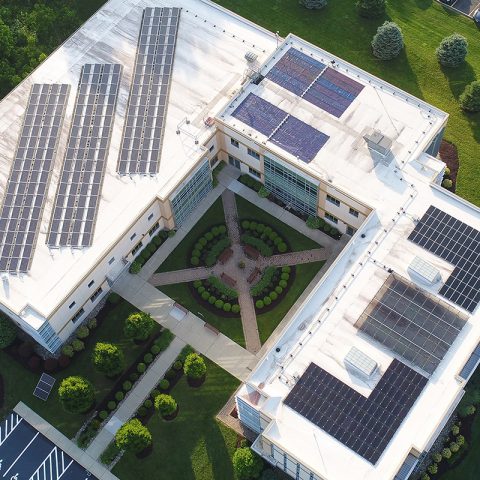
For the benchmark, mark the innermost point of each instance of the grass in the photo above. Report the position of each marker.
(194, 446)
(20, 382)
(296, 240)
(339, 29)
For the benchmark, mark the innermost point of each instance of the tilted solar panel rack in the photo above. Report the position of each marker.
(81, 180)
(147, 106)
(457, 243)
(29, 178)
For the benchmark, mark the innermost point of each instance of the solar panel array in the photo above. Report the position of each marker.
(411, 322)
(365, 425)
(318, 84)
(282, 129)
(44, 386)
(147, 107)
(457, 243)
(81, 180)
(30, 175)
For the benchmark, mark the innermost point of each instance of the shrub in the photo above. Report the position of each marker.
(466, 410)
(68, 351)
(109, 454)
(133, 436)
(216, 250)
(454, 447)
(312, 222)
(447, 183)
(157, 241)
(278, 289)
(222, 288)
(133, 377)
(198, 247)
(76, 394)
(273, 295)
(460, 440)
(194, 366)
(437, 458)
(171, 233)
(154, 393)
(282, 247)
(470, 100)
(195, 261)
(371, 8)
(108, 359)
(286, 269)
(92, 322)
(25, 349)
(148, 403)
(285, 276)
(148, 358)
(50, 364)
(177, 365)
(447, 172)
(103, 414)
(247, 464)
(205, 295)
(165, 339)
(164, 384)
(327, 227)
(245, 224)
(433, 468)
(212, 299)
(141, 367)
(127, 386)
(8, 332)
(215, 231)
(171, 374)
(263, 283)
(267, 301)
(139, 326)
(455, 430)
(155, 350)
(201, 289)
(209, 236)
(112, 405)
(259, 304)
(425, 476)
(258, 244)
(227, 307)
(263, 192)
(388, 41)
(236, 308)
(219, 303)
(313, 4)
(446, 453)
(452, 50)
(282, 283)
(135, 267)
(119, 396)
(142, 411)
(78, 345)
(334, 232)
(165, 404)
(202, 241)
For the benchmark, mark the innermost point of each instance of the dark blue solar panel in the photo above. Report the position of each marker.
(295, 71)
(299, 139)
(259, 114)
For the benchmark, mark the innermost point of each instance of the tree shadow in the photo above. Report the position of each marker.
(423, 4)
(218, 454)
(458, 78)
(473, 120)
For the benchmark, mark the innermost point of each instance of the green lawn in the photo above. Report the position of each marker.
(20, 382)
(341, 31)
(194, 446)
(180, 257)
(296, 240)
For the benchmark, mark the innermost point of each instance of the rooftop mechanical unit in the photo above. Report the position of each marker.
(381, 145)
(423, 271)
(361, 363)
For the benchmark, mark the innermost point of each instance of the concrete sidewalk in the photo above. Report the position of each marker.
(135, 398)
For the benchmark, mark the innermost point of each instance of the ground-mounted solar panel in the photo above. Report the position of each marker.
(30, 175)
(295, 71)
(457, 243)
(282, 129)
(411, 322)
(365, 425)
(147, 106)
(81, 179)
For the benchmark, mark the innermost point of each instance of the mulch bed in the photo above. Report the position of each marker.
(449, 154)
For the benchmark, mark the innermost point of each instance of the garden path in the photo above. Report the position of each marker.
(180, 276)
(295, 258)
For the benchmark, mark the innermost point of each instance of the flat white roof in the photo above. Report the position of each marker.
(209, 66)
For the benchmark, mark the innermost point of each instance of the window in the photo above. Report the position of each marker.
(253, 172)
(111, 260)
(234, 143)
(333, 200)
(351, 231)
(91, 283)
(133, 236)
(253, 154)
(213, 160)
(330, 217)
(150, 217)
(154, 229)
(353, 212)
(211, 148)
(78, 315)
(137, 247)
(96, 294)
(234, 162)
(71, 305)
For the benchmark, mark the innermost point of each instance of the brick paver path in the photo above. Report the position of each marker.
(180, 276)
(294, 258)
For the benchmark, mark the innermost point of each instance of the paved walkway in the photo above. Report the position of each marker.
(295, 258)
(83, 458)
(180, 276)
(135, 398)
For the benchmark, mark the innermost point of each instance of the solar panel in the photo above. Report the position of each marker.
(30, 175)
(81, 180)
(282, 129)
(44, 386)
(365, 425)
(147, 107)
(457, 243)
(411, 322)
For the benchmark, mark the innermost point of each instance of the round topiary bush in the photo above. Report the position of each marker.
(194, 366)
(108, 359)
(133, 436)
(388, 41)
(273, 295)
(148, 403)
(76, 394)
(170, 374)
(452, 50)
(446, 453)
(177, 365)
(433, 468)
(282, 283)
(227, 307)
(236, 308)
(139, 326)
(267, 301)
(212, 299)
(285, 276)
(436, 457)
(286, 269)
(195, 261)
(209, 236)
(133, 377)
(247, 464)
(142, 411)
(259, 304)
(164, 384)
(82, 332)
(460, 440)
(68, 351)
(165, 405)
(282, 247)
(155, 350)
(454, 447)
(219, 303)
(148, 358)
(78, 345)
(455, 430)
(202, 241)
(206, 295)
(92, 322)
(447, 183)
(470, 100)
(135, 267)
(201, 289)
(103, 414)
(127, 386)
(119, 396)
(141, 367)
(222, 229)
(8, 332)
(278, 289)
(112, 405)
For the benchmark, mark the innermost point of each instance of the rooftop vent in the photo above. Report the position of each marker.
(361, 363)
(425, 272)
(251, 57)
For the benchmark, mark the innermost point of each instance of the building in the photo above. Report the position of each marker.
(129, 116)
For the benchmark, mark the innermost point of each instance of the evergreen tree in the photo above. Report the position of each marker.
(452, 50)
(388, 41)
(371, 8)
(313, 4)
(470, 98)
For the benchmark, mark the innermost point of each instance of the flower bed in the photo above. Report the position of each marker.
(210, 246)
(270, 290)
(263, 238)
(217, 297)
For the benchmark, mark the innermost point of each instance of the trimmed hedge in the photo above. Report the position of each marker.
(222, 288)
(258, 244)
(264, 282)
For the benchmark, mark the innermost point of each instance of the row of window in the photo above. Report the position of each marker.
(336, 202)
(235, 162)
(251, 152)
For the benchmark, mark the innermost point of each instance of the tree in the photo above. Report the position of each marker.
(133, 436)
(388, 41)
(194, 366)
(371, 8)
(165, 404)
(6, 39)
(139, 326)
(76, 394)
(247, 464)
(8, 332)
(452, 50)
(313, 4)
(470, 98)
(108, 359)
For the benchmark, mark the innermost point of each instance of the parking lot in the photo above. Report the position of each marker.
(467, 7)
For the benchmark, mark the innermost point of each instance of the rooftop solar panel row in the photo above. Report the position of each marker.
(29, 178)
(365, 425)
(81, 180)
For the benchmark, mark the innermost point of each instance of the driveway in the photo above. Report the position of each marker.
(467, 7)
